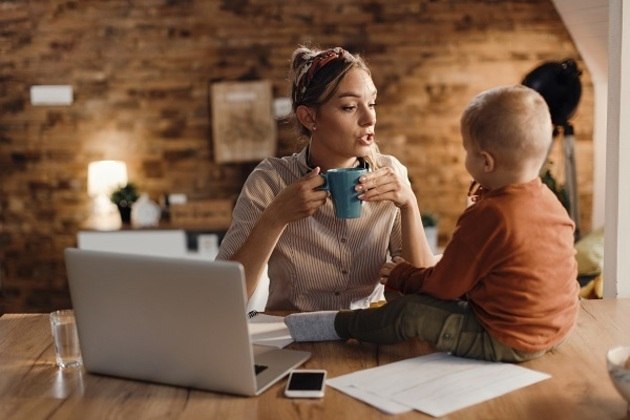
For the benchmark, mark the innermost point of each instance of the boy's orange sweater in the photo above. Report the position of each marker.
(512, 257)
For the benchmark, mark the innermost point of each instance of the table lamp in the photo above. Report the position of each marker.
(103, 177)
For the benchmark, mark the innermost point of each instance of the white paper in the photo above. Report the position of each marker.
(377, 295)
(269, 330)
(436, 384)
(346, 383)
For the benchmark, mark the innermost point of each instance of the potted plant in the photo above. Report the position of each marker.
(429, 222)
(124, 197)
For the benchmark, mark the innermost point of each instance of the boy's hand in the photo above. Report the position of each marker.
(388, 267)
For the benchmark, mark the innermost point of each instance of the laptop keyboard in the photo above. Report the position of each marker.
(259, 368)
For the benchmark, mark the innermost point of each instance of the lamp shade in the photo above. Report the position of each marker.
(559, 83)
(106, 175)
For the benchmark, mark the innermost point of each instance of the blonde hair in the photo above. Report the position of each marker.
(313, 85)
(511, 122)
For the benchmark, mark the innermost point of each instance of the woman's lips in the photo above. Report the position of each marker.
(367, 139)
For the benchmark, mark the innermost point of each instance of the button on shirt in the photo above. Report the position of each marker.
(320, 262)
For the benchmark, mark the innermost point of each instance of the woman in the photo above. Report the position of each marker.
(283, 220)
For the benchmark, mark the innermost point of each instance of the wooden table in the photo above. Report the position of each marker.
(31, 387)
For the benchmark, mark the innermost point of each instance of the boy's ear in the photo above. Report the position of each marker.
(489, 163)
(305, 115)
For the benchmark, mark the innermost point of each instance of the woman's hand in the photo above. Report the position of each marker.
(385, 184)
(300, 199)
(387, 268)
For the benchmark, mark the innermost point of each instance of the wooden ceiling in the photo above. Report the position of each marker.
(587, 22)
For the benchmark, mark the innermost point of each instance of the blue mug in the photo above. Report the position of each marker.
(341, 182)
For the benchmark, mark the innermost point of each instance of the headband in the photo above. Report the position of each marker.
(312, 66)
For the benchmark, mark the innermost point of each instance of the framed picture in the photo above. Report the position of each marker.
(243, 127)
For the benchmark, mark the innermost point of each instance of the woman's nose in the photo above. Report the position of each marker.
(368, 116)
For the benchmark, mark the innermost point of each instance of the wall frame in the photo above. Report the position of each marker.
(243, 127)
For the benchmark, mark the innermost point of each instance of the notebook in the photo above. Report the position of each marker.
(170, 320)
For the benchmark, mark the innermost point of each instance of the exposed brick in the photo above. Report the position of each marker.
(141, 75)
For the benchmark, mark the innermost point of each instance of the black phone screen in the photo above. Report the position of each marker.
(306, 381)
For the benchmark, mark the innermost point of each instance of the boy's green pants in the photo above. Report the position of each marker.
(450, 326)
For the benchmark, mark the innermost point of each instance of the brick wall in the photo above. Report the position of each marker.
(141, 72)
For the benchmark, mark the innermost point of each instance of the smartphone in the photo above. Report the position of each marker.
(306, 383)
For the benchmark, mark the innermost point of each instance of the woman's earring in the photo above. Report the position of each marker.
(314, 128)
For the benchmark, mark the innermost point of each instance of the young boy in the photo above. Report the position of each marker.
(505, 288)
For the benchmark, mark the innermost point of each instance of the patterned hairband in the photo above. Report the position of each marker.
(313, 65)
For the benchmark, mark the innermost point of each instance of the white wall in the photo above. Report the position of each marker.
(587, 23)
(596, 27)
(617, 237)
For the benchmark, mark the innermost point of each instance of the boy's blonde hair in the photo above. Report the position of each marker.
(511, 122)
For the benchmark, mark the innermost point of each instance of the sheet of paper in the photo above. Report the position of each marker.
(436, 384)
(269, 330)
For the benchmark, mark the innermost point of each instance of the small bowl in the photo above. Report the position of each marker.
(616, 360)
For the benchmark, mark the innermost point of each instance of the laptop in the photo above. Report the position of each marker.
(174, 321)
